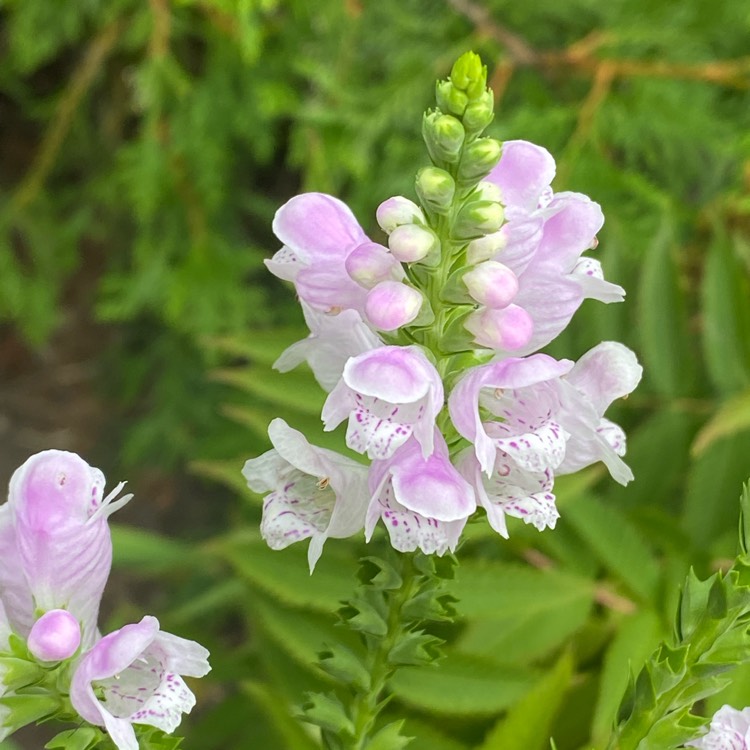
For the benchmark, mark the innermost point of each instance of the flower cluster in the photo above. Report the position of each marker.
(56, 553)
(429, 345)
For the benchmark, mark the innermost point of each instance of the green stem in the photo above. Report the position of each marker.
(367, 705)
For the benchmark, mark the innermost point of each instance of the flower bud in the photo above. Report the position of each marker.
(55, 636)
(488, 191)
(369, 264)
(391, 305)
(410, 243)
(450, 99)
(478, 159)
(479, 113)
(478, 218)
(484, 248)
(469, 75)
(396, 211)
(508, 329)
(492, 284)
(444, 136)
(435, 188)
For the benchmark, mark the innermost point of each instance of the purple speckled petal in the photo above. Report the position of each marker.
(377, 436)
(136, 670)
(512, 373)
(535, 451)
(315, 493)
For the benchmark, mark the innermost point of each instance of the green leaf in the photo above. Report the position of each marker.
(149, 552)
(617, 544)
(726, 316)
(81, 738)
(389, 738)
(529, 722)
(276, 711)
(285, 574)
(733, 416)
(344, 666)
(461, 685)
(515, 613)
(662, 316)
(327, 712)
(635, 639)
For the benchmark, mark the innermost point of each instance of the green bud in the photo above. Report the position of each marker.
(450, 99)
(479, 159)
(435, 188)
(468, 74)
(444, 136)
(480, 112)
(478, 218)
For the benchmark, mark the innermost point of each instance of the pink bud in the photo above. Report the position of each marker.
(55, 636)
(396, 211)
(492, 284)
(411, 243)
(486, 247)
(392, 304)
(370, 263)
(509, 329)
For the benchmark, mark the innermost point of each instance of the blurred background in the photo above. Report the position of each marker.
(144, 147)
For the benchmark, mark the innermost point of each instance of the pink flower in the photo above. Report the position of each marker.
(542, 242)
(314, 493)
(136, 672)
(388, 394)
(54, 529)
(729, 730)
(333, 339)
(424, 502)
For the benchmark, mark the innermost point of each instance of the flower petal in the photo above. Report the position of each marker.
(523, 173)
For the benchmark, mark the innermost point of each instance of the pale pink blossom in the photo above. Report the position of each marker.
(388, 394)
(729, 730)
(424, 502)
(134, 676)
(314, 493)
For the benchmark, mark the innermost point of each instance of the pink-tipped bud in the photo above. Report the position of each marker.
(396, 211)
(492, 284)
(484, 248)
(410, 243)
(508, 329)
(391, 305)
(369, 264)
(55, 636)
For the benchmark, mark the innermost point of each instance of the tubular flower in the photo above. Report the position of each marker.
(424, 502)
(314, 493)
(136, 671)
(388, 394)
(55, 526)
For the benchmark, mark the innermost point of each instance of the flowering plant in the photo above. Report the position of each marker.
(428, 348)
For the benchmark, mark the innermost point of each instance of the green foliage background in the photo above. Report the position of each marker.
(154, 140)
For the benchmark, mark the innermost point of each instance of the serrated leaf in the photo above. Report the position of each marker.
(461, 686)
(389, 738)
(529, 722)
(635, 639)
(345, 666)
(617, 544)
(81, 738)
(326, 711)
(415, 648)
